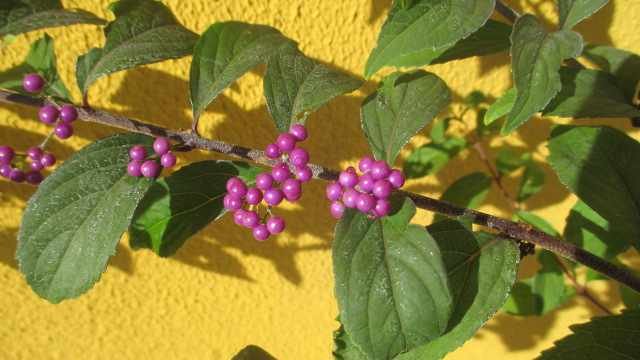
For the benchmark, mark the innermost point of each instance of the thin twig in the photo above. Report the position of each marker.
(581, 289)
(497, 178)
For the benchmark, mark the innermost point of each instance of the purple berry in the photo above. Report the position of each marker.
(238, 217)
(337, 209)
(396, 178)
(231, 202)
(48, 114)
(68, 113)
(366, 182)
(273, 196)
(299, 132)
(380, 170)
(236, 187)
(334, 191)
(382, 189)
(5, 170)
(33, 83)
(63, 131)
(36, 165)
(17, 175)
(299, 157)
(137, 152)
(365, 203)
(168, 160)
(286, 142)
(350, 198)
(34, 153)
(250, 219)
(150, 169)
(253, 196)
(264, 181)
(365, 164)
(275, 225)
(348, 179)
(34, 177)
(261, 232)
(134, 168)
(161, 145)
(48, 160)
(280, 173)
(292, 189)
(6, 154)
(303, 173)
(383, 207)
(272, 151)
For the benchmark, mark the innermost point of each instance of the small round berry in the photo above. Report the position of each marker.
(238, 217)
(382, 189)
(350, 198)
(383, 207)
(231, 202)
(48, 159)
(260, 232)
(380, 170)
(5, 170)
(68, 113)
(264, 181)
(286, 142)
(348, 178)
(36, 165)
(168, 160)
(33, 83)
(48, 114)
(337, 209)
(396, 178)
(365, 203)
(366, 182)
(17, 175)
(161, 145)
(134, 168)
(299, 132)
(299, 157)
(251, 219)
(365, 164)
(292, 189)
(304, 173)
(6, 154)
(63, 131)
(34, 153)
(236, 187)
(137, 152)
(334, 191)
(275, 225)
(34, 177)
(150, 169)
(280, 173)
(254, 196)
(273, 196)
(272, 151)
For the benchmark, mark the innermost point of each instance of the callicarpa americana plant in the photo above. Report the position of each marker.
(404, 291)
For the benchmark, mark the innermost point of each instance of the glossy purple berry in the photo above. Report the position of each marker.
(48, 160)
(33, 83)
(48, 114)
(36, 165)
(261, 232)
(380, 170)
(292, 189)
(299, 132)
(168, 160)
(6, 154)
(275, 225)
(5, 170)
(137, 152)
(63, 131)
(17, 175)
(250, 219)
(334, 191)
(299, 157)
(264, 181)
(236, 187)
(34, 177)
(382, 189)
(303, 173)
(238, 217)
(366, 182)
(150, 169)
(272, 151)
(253, 196)
(337, 209)
(383, 207)
(68, 113)
(365, 203)
(365, 164)
(231, 202)
(134, 168)
(286, 142)
(396, 178)
(280, 173)
(348, 179)
(350, 198)
(34, 153)
(161, 145)
(273, 196)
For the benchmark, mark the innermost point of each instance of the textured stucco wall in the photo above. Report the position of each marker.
(223, 290)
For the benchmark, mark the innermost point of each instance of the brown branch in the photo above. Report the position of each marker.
(514, 230)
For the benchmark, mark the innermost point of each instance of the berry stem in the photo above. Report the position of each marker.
(508, 228)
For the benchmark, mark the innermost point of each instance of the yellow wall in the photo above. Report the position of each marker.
(223, 290)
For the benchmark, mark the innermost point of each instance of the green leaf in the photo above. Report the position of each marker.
(431, 158)
(403, 105)
(508, 161)
(425, 26)
(438, 133)
(536, 57)
(253, 352)
(607, 337)
(624, 65)
(501, 107)
(180, 205)
(144, 32)
(344, 348)
(225, 52)
(21, 16)
(40, 59)
(630, 298)
(469, 191)
(532, 181)
(295, 85)
(538, 222)
(574, 11)
(481, 270)
(75, 219)
(600, 165)
(391, 284)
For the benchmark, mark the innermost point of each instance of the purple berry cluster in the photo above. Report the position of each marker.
(368, 192)
(61, 117)
(151, 166)
(25, 167)
(284, 182)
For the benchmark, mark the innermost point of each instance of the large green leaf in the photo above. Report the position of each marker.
(391, 283)
(21, 16)
(180, 205)
(74, 221)
(536, 57)
(481, 271)
(226, 51)
(574, 11)
(532, 181)
(344, 348)
(427, 25)
(144, 32)
(402, 106)
(624, 65)
(295, 85)
(609, 337)
(501, 107)
(600, 165)
(431, 158)
(469, 191)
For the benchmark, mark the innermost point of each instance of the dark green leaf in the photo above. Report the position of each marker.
(501, 107)
(468, 191)
(608, 337)
(402, 106)
(391, 284)
(630, 298)
(574, 11)
(508, 161)
(295, 85)
(344, 348)
(21, 16)
(74, 221)
(624, 65)
(144, 32)
(428, 25)
(225, 52)
(536, 57)
(600, 165)
(475, 98)
(180, 205)
(430, 158)
(253, 352)
(532, 181)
